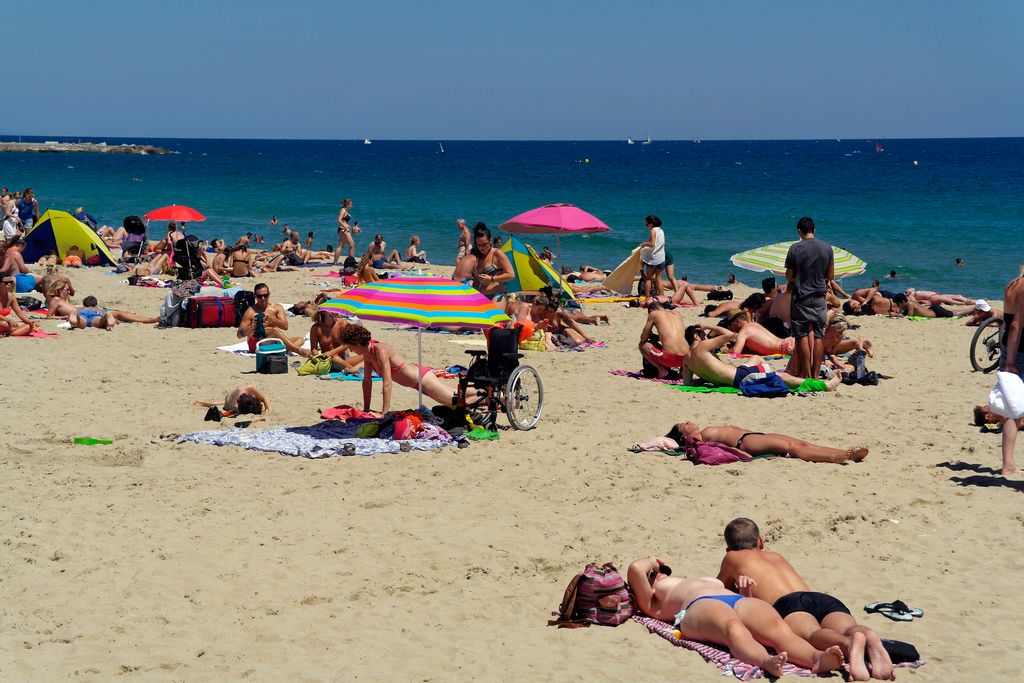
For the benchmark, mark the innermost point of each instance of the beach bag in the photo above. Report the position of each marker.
(172, 311)
(244, 300)
(720, 295)
(407, 427)
(1007, 396)
(769, 385)
(29, 303)
(316, 365)
(598, 595)
(900, 652)
(211, 311)
(534, 343)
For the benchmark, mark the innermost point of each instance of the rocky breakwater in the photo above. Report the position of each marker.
(53, 147)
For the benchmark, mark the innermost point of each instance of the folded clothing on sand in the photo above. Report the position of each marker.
(723, 659)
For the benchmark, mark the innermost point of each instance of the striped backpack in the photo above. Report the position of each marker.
(597, 596)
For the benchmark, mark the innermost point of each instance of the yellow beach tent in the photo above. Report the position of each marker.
(531, 272)
(60, 231)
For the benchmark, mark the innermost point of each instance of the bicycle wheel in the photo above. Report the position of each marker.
(524, 398)
(985, 345)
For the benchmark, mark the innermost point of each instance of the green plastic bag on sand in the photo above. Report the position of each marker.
(812, 385)
(481, 434)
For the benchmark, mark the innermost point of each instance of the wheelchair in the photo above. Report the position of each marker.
(496, 382)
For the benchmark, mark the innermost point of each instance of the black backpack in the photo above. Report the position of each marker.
(244, 300)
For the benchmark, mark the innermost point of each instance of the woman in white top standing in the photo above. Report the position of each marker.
(653, 256)
(9, 216)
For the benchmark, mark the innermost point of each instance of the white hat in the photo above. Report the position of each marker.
(982, 305)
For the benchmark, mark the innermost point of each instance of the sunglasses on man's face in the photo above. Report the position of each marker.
(263, 296)
(8, 282)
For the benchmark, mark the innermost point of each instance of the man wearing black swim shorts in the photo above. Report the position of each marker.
(810, 267)
(818, 618)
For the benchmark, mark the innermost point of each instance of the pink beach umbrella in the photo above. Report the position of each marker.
(557, 220)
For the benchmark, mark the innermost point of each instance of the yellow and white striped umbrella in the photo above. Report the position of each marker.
(773, 258)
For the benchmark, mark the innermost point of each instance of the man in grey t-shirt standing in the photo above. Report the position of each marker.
(810, 266)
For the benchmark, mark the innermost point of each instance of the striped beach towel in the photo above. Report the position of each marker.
(725, 661)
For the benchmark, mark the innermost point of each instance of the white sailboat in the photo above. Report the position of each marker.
(367, 141)
(629, 141)
(647, 137)
(441, 146)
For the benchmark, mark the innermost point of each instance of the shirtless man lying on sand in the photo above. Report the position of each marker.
(908, 306)
(703, 609)
(703, 362)
(760, 443)
(752, 337)
(820, 619)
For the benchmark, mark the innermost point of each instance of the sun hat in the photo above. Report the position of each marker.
(982, 305)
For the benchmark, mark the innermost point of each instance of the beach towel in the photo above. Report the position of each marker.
(347, 412)
(323, 440)
(621, 279)
(242, 348)
(632, 374)
(603, 299)
(714, 653)
(706, 389)
(582, 346)
(37, 334)
(721, 658)
(348, 376)
(808, 386)
(430, 330)
(1007, 396)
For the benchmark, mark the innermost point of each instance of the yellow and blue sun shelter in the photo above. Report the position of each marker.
(59, 231)
(531, 272)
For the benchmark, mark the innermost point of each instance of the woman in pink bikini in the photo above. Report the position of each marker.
(22, 327)
(382, 359)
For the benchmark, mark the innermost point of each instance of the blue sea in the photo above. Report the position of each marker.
(964, 197)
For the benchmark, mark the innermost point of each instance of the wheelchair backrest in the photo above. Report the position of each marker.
(502, 341)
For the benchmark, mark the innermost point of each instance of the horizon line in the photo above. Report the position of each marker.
(67, 137)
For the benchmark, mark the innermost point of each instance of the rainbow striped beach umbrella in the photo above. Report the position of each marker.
(419, 301)
(773, 258)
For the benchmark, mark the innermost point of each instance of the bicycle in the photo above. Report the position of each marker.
(985, 345)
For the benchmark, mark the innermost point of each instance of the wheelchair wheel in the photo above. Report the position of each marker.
(524, 398)
(985, 345)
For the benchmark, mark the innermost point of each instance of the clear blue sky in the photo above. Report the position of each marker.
(517, 69)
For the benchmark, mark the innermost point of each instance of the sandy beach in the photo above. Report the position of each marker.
(152, 560)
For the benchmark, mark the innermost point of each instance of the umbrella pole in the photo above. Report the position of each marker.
(419, 360)
(558, 246)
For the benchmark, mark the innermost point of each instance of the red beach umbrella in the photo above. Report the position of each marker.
(174, 212)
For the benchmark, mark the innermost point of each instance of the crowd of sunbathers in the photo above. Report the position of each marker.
(759, 326)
